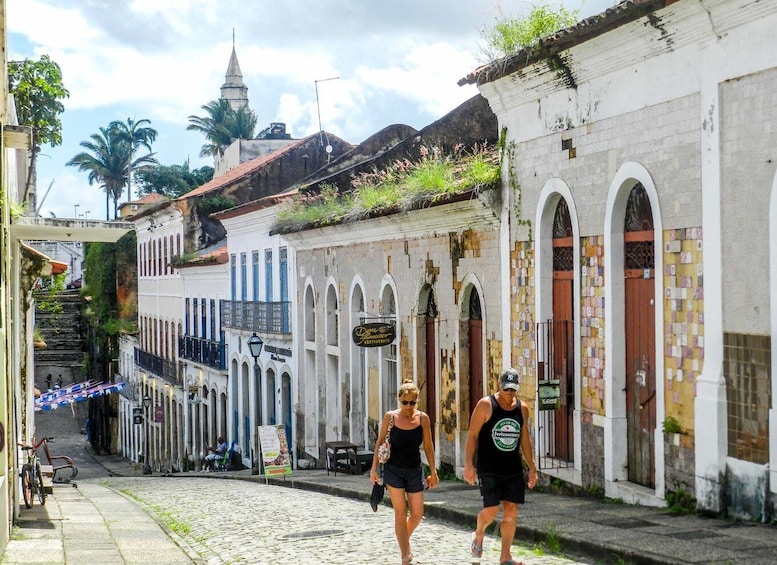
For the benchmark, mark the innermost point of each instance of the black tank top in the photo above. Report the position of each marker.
(405, 447)
(499, 441)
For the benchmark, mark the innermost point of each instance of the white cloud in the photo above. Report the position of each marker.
(397, 62)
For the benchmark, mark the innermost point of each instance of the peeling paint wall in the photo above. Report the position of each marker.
(444, 260)
(522, 324)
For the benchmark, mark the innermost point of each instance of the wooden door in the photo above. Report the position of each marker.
(563, 364)
(640, 370)
(475, 340)
(475, 363)
(431, 377)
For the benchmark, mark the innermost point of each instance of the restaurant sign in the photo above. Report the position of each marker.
(374, 334)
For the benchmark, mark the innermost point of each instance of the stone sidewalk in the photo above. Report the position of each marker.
(609, 532)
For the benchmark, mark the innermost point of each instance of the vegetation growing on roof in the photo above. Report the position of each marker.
(208, 206)
(401, 186)
(192, 257)
(509, 35)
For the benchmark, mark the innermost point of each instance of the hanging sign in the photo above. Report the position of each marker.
(194, 394)
(276, 458)
(137, 415)
(376, 334)
(549, 394)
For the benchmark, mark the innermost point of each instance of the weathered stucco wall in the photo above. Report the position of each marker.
(448, 261)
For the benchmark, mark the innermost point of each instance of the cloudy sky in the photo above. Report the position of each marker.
(396, 62)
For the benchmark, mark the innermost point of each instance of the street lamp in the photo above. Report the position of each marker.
(255, 344)
(75, 210)
(146, 446)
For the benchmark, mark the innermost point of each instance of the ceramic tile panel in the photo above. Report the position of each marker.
(592, 323)
(683, 322)
(522, 324)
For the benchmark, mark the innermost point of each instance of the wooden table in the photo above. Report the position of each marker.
(351, 457)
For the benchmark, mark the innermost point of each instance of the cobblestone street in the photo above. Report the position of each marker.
(240, 522)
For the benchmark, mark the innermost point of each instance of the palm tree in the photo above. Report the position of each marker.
(222, 126)
(135, 134)
(107, 159)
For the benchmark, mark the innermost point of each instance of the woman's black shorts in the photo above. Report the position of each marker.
(410, 479)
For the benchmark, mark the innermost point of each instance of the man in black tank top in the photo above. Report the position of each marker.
(497, 439)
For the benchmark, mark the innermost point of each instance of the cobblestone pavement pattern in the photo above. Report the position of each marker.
(241, 522)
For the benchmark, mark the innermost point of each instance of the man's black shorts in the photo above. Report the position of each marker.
(496, 488)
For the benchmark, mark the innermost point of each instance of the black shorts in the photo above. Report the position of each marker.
(411, 479)
(496, 488)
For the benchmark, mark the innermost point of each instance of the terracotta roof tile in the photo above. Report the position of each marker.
(244, 169)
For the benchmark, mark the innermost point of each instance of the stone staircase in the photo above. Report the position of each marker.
(63, 354)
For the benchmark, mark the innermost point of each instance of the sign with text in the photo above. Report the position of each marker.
(159, 413)
(276, 458)
(137, 415)
(375, 334)
(549, 394)
(194, 394)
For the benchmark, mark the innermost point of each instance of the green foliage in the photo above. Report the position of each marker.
(401, 185)
(214, 204)
(172, 181)
(222, 126)
(133, 133)
(595, 491)
(671, 426)
(38, 91)
(47, 298)
(552, 541)
(507, 156)
(446, 472)
(509, 34)
(108, 160)
(183, 258)
(15, 209)
(680, 502)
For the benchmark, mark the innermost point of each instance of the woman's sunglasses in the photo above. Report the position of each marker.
(410, 402)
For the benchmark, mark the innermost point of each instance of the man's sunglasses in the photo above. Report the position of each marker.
(410, 402)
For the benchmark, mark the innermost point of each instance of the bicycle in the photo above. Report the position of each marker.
(32, 478)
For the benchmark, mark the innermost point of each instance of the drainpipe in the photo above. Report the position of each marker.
(765, 514)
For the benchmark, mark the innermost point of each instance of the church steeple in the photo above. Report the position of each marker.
(234, 89)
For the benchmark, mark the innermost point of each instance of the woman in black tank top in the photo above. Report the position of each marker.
(408, 429)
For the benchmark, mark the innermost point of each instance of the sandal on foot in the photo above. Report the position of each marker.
(475, 549)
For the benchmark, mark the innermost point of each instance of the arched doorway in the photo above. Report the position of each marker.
(475, 341)
(286, 407)
(427, 348)
(639, 314)
(390, 371)
(563, 332)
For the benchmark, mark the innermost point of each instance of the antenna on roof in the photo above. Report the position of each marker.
(318, 108)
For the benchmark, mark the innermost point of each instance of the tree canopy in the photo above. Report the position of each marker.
(222, 126)
(107, 159)
(135, 134)
(509, 34)
(38, 91)
(172, 181)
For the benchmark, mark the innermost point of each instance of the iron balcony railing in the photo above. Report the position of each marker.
(264, 317)
(157, 366)
(203, 351)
